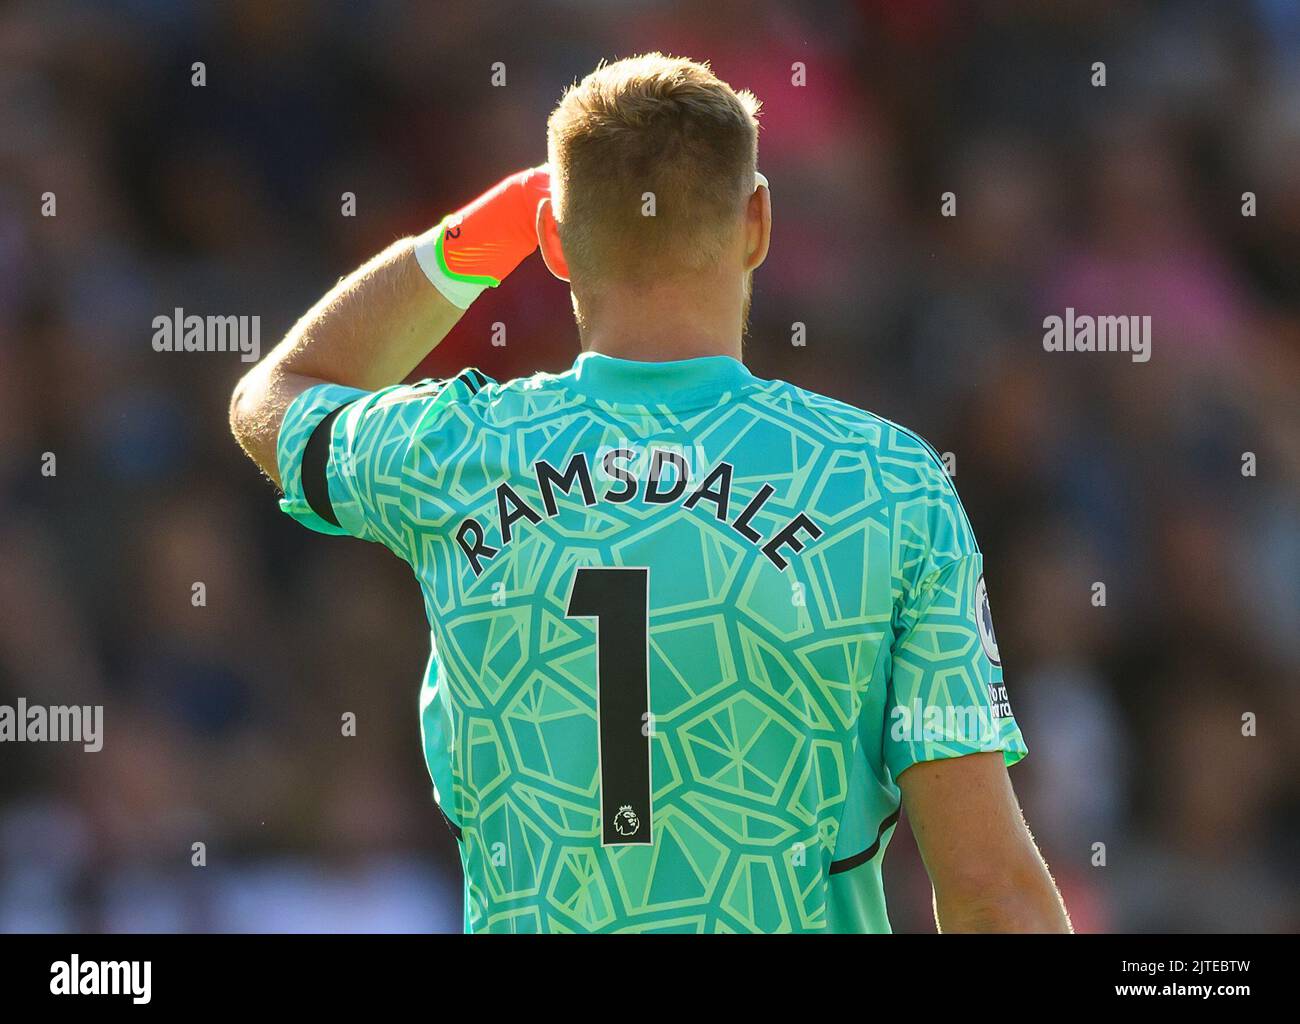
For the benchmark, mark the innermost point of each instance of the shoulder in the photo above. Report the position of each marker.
(892, 446)
(521, 397)
(462, 410)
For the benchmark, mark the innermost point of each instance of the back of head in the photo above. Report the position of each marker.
(652, 161)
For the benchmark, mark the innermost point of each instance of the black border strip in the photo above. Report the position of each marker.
(315, 459)
(849, 863)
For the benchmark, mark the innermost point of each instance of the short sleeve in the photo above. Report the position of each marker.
(946, 696)
(342, 455)
(946, 693)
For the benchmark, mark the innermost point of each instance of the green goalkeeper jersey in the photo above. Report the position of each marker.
(688, 627)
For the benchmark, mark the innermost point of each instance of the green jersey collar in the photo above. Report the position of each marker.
(657, 383)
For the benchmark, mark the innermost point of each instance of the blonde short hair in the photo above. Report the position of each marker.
(650, 124)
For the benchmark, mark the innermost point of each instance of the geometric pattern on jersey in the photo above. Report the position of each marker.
(785, 694)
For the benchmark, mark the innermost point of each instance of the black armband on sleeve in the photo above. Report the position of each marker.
(315, 457)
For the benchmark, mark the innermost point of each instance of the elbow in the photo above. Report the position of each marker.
(255, 421)
(248, 419)
(241, 417)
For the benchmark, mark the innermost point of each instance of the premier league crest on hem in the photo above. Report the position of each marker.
(984, 622)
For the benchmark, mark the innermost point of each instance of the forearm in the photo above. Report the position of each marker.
(373, 327)
(369, 331)
(1024, 901)
(987, 873)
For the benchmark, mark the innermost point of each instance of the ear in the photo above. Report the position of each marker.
(548, 240)
(758, 224)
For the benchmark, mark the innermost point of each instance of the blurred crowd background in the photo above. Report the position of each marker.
(222, 722)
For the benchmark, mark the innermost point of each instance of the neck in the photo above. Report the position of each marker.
(665, 321)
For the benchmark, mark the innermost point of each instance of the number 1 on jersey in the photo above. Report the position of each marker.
(619, 600)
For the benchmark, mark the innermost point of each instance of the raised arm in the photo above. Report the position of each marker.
(373, 327)
(988, 875)
(370, 330)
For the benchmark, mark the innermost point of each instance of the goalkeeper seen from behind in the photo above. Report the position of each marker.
(696, 636)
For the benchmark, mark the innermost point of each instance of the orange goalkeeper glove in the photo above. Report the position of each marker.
(479, 245)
